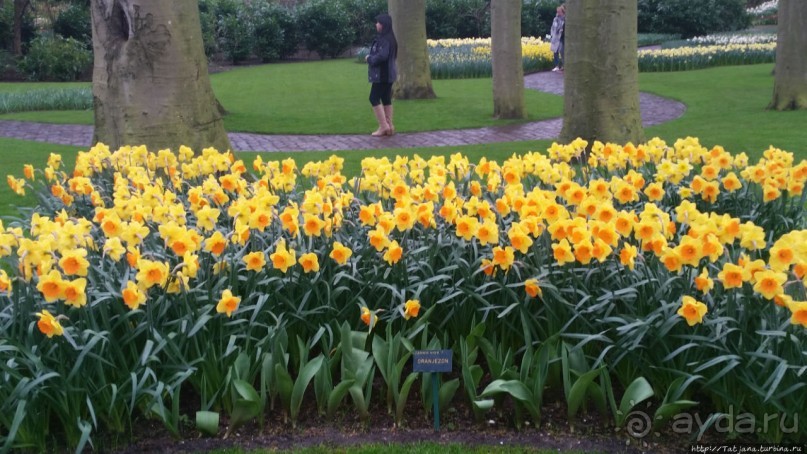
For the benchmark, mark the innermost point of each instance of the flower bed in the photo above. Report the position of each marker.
(765, 13)
(470, 58)
(671, 275)
(705, 56)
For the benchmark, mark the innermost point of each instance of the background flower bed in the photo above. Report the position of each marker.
(173, 273)
(470, 58)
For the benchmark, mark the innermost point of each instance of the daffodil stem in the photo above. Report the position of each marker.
(436, 402)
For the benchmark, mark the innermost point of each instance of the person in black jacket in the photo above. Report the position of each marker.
(382, 72)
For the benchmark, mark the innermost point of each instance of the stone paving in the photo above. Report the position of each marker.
(655, 110)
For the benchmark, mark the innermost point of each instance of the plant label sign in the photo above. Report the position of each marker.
(432, 360)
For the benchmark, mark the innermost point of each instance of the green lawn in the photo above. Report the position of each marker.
(330, 97)
(16, 153)
(726, 106)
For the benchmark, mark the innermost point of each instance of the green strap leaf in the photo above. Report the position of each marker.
(207, 422)
(306, 375)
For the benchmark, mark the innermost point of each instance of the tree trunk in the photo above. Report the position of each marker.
(409, 25)
(508, 69)
(601, 99)
(150, 80)
(20, 6)
(790, 80)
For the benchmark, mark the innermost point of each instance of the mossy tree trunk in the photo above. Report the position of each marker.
(409, 25)
(790, 79)
(601, 98)
(150, 80)
(508, 70)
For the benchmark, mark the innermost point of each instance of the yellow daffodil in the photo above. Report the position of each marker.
(394, 253)
(488, 267)
(282, 258)
(74, 292)
(74, 263)
(487, 233)
(562, 252)
(627, 256)
(503, 257)
(309, 262)
(5, 282)
(532, 287)
(49, 325)
(340, 253)
(733, 276)
(467, 227)
(689, 251)
(411, 309)
(216, 243)
(703, 282)
(378, 239)
(151, 273)
(782, 256)
(206, 218)
(692, 310)
(255, 261)
(51, 285)
(798, 310)
(769, 283)
(731, 183)
(228, 303)
(132, 296)
(369, 317)
(113, 247)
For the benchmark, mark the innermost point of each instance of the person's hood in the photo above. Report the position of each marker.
(386, 22)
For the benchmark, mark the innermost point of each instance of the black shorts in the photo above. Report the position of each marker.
(381, 93)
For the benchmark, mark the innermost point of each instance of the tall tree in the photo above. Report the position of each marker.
(20, 8)
(150, 80)
(409, 25)
(508, 70)
(790, 79)
(601, 98)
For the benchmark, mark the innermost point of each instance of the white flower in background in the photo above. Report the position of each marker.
(764, 9)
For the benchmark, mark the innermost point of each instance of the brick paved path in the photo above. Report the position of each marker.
(655, 110)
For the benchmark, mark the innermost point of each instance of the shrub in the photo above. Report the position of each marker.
(7, 62)
(74, 22)
(235, 31)
(362, 18)
(325, 28)
(61, 59)
(689, 18)
(275, 35)
(439, 20)
(457, 19)
(537, 16)
(207, 17)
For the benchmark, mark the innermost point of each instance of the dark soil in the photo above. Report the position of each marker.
(590, 432)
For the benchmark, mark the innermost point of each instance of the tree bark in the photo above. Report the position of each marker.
(20, 6)
(601, 99)
(150, 79)
(508, 69)
(790, 79)
(414, 73)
